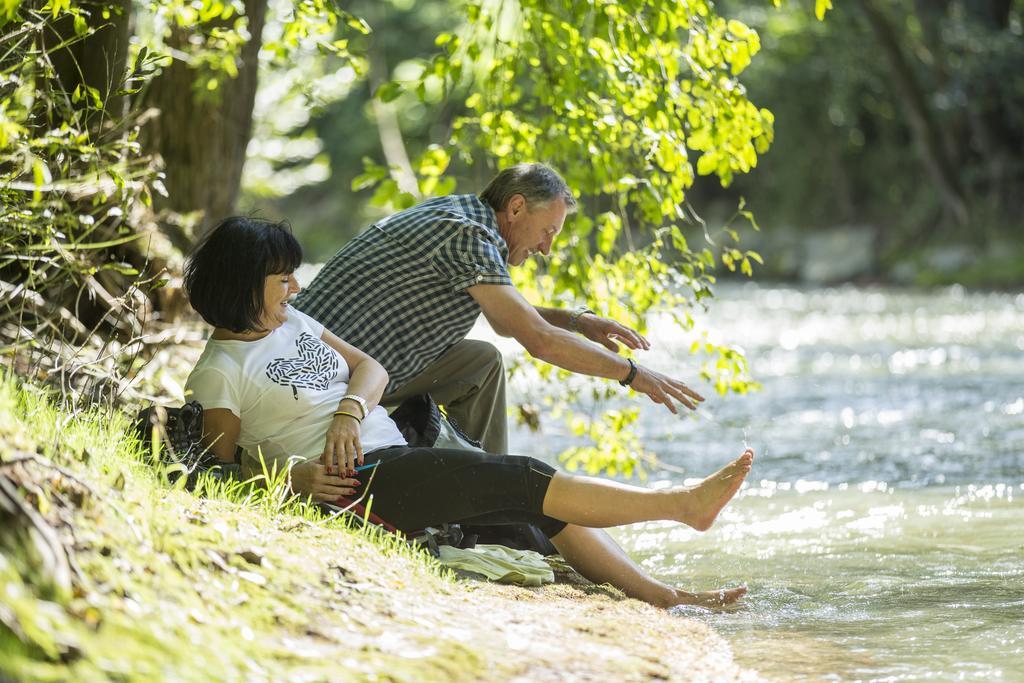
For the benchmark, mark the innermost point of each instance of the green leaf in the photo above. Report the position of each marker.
(389, 91)
(749, 215)
(8, 10)
(707, 164)
(358, 24)
(610, 224)
(40, 176)
(372, 174)
(434, 161)
(120, 267)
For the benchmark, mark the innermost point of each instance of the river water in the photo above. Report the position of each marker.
(881, 531)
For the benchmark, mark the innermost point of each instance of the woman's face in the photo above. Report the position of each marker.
(278, 289)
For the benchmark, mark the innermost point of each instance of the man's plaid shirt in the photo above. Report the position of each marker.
(398, 290)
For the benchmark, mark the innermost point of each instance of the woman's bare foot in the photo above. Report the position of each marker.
(710, 599)
(702, 503)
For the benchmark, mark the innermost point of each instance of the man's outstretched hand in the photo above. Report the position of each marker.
(663, 390)
(658, 387)
(607, 332)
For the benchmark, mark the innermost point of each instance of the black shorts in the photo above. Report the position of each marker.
(414, 488)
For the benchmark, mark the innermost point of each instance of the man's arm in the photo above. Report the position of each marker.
(512, 316)
(559, 317)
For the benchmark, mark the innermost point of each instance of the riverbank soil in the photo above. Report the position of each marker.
(163, 585)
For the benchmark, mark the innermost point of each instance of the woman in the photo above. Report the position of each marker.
(275, 382)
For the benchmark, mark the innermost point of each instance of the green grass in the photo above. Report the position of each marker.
(239, 583)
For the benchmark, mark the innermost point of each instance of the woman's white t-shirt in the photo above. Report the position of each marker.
(285, 388)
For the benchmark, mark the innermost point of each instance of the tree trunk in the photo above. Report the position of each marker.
(994, 14)
(932, 50)
(926, 131)
(991, 129)
(391, 141)
(203, 139)
(97, 61)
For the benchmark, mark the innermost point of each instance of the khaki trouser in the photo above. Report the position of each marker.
(469, 381)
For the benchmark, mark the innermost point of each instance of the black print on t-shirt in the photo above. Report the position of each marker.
(314, 368)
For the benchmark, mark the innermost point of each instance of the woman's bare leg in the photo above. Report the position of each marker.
(593, 502)
(595, 555)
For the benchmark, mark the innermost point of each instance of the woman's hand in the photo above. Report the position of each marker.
(311, 479)
(342, 450)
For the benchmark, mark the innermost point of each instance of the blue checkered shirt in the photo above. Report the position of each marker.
(398, 290)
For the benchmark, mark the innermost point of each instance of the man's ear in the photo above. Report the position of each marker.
(516, 204)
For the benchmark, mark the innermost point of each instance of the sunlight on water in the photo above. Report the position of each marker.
(861, 583)
(882, 530)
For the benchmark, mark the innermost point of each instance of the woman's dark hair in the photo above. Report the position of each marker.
(226, 272)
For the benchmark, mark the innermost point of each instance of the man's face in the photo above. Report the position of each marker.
(531, 232)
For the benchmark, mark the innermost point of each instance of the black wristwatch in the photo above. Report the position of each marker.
(632, 373)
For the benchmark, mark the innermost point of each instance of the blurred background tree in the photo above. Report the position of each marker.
(904, 116)
(901, 116)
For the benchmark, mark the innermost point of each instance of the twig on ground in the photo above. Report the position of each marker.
(48, 464)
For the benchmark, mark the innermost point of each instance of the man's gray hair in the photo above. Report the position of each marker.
(539, 185)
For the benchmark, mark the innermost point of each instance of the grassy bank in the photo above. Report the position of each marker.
(167, 585)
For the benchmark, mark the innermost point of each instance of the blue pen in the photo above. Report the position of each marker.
(366, 467)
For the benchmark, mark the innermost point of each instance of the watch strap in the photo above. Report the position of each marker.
(574, 317)
(632, 373)
(359, 401)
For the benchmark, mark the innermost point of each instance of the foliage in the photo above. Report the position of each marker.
(75, 188)
(342, 129)
(620, 451)
(649, 94)
(216, 31)
(305, 63)
(298, 77)
(831, 84)
(82, 268)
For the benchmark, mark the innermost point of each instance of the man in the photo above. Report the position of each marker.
(409, 289)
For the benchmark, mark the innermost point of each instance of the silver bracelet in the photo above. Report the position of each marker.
(359, 400)
(574, 317)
